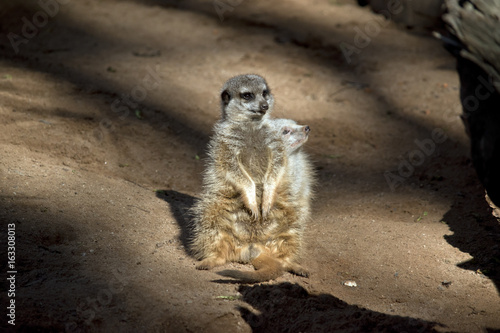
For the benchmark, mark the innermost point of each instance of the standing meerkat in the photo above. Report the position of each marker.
(247, 211)
(246, 102)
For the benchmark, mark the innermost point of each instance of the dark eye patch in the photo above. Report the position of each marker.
(247, 96)
(286, 131)
(265, 93)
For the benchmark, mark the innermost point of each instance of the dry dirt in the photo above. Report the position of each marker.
(107, 107)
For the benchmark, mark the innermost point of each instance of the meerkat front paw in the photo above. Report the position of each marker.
(250, 199)
(267, 200)
(254, 209)
(267, 204)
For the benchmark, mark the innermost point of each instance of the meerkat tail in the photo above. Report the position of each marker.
(266, 268)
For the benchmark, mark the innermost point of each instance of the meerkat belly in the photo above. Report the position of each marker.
(259, 231)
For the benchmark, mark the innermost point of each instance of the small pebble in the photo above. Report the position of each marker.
(445, 283)
(352, 284)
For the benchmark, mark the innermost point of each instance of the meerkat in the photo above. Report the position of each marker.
(239, 157)
(250, 210)
(279, 248)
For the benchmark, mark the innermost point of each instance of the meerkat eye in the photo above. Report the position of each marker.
(247, 96)
(265, 93)
(286, 131)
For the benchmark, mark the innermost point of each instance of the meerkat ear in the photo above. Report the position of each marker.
(225, 97)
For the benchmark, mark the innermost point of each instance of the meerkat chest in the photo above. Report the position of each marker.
(255, 160)
(253, 150)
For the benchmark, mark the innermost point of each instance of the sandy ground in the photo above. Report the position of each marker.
(107, 108)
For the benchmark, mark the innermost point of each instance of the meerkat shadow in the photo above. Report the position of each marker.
(287, 307)
(180, 205)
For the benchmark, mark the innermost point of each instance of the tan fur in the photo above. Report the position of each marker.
(250, 209)
(267, 267)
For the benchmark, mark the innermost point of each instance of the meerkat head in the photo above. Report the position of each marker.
(293, 135)
(246, 97)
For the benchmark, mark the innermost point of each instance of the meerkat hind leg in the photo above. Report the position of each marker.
(221, 252)
(211, 262)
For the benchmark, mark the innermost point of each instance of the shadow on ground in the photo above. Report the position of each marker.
(180, 204)
(288, 307)
(58, 286)
(476, 232)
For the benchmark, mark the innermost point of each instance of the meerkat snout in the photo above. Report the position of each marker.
(307, 129)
